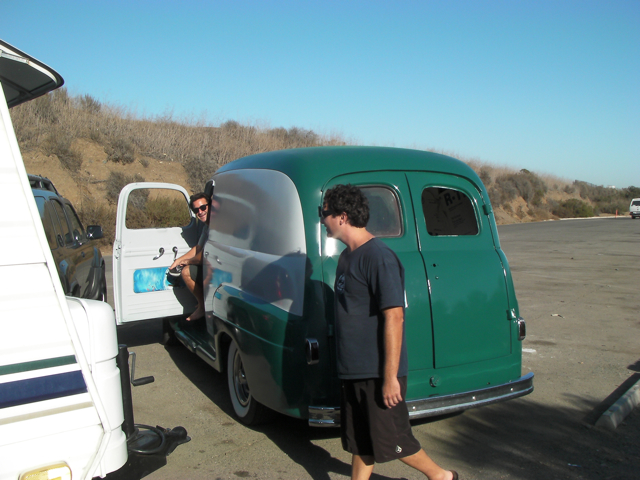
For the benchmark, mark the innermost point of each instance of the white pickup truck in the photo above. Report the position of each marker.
(65, 397)
(634, 208)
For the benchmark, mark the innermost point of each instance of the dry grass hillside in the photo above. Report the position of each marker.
(91, 150)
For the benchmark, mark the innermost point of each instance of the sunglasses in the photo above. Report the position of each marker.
(325, 213)
(201, 208)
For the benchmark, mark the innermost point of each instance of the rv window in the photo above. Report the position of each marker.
(157, 208)
(448, 212)
(384, 212)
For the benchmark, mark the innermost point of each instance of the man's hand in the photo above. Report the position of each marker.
(391, 392)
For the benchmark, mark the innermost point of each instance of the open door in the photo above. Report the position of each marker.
(154, 225)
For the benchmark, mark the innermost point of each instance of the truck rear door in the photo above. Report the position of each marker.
(466, 279)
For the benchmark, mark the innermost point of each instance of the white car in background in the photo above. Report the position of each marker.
(634, 208)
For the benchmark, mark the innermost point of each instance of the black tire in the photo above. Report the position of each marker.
(248, 410)
(168, 335)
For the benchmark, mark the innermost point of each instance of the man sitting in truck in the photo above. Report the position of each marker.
(205, 209)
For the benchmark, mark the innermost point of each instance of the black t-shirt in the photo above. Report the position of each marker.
(368, 280)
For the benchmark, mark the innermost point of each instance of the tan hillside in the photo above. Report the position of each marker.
(90, 181)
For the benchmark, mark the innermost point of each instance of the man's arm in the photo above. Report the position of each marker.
(393, 320)
(183, 260)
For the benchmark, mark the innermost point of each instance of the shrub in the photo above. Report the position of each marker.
(89, 104)
(573, 208)
(485, 176)
(117, 181)
(199, 170)
(525, 184)
(120, 150)
(58, 143)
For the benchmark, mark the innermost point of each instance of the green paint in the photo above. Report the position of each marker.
(37, 365)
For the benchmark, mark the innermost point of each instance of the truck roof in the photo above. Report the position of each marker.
(298, 164)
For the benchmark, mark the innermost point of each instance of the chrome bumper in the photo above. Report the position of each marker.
(441, 405)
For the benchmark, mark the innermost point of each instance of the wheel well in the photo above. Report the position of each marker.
(223, 344)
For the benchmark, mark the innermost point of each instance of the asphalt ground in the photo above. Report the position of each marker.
(577, 285)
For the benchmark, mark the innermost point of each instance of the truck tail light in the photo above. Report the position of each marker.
(522, 329)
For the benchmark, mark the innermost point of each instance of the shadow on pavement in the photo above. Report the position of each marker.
(521, 439)
(527, 440)
(139, 333)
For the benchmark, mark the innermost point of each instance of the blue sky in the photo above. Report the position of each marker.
(551, 86)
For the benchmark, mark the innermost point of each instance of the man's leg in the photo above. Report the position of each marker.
(199, 313)
(187, 278)
(423, 463)
(361, 467)
(190, 276)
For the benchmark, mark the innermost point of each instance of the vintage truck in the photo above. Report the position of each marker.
(270, 271)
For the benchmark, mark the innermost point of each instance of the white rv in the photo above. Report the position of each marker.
(65, 408)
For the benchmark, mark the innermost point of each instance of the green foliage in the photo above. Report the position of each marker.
(573, 208)
(631, 192)
(607, 200)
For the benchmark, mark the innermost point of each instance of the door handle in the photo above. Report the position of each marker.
(160, 253)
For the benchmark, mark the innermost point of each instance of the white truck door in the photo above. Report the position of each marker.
(154, 225)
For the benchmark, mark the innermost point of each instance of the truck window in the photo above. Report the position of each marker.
(76, 226)
(384, 211)
(448, 212)
(64, 224)
(45, 210)
(157, 208)
(259, 211)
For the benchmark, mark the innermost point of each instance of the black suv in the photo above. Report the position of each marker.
(79, 262)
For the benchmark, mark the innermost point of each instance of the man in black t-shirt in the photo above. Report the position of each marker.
(372, 354)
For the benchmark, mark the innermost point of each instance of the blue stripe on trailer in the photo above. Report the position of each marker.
(39, 389)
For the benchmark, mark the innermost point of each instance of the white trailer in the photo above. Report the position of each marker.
(65, 408)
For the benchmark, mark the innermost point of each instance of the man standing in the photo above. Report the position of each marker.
(372, 354)
(205, 209)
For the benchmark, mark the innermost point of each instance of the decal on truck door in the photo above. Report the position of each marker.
(150, 280)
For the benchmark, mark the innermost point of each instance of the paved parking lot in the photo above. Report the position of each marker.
(577, 284)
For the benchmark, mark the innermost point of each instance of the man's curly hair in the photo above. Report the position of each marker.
(348, 199)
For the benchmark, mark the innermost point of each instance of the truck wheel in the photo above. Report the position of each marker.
(247, 409)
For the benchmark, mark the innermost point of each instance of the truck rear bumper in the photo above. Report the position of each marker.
(441, 405)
